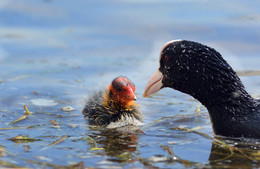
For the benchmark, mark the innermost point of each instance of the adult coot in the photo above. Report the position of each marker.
(115, 106)
(201, 72)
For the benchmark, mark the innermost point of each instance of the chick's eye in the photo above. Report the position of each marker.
(166, 58)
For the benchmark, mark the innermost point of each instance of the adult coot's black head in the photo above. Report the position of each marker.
(201, 72)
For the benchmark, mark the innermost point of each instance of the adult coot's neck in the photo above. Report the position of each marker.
(222, 90)
(215, 84)
(201, 72)
(231, 109)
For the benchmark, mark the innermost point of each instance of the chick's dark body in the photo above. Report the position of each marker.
(114, 107)
(102, 115)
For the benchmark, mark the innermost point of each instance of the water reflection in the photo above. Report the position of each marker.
(236, 153)
(65, 50)
(119, 144)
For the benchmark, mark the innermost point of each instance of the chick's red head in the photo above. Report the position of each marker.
(122, 90)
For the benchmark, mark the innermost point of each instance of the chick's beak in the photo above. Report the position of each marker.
(134, 98)
(154, 84)
(132, 93)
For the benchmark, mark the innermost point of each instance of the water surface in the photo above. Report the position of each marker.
(63, 51)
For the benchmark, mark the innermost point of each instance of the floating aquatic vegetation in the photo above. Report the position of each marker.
(10, 165)
(93, 143)
(27, 113)
(23, 139)
(186, 163)
(218, 142)
(198, 109)
(13, 128)
(55, 123)
(22, 127)
(125, 156)
(56, 142)
(19, 119)
(96, 148)
(194, 129)
(2, 151)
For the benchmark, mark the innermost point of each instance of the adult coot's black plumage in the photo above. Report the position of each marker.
(114, 107)
(201, 72)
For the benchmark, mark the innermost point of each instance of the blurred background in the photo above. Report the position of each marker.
(56, 53)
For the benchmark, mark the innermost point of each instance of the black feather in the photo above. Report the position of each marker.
(102, 115)
(201, 72)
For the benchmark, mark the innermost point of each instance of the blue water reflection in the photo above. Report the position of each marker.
(63, 51)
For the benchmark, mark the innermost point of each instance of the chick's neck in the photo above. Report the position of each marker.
(116, 100)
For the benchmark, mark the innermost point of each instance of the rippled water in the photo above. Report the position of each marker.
(57, 53)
